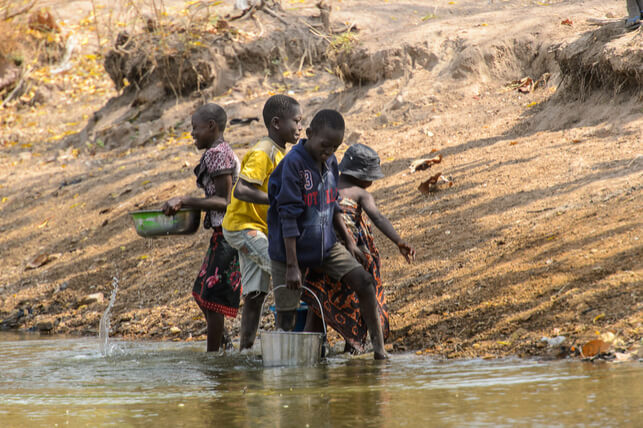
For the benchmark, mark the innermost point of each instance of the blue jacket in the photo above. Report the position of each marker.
(303, 201)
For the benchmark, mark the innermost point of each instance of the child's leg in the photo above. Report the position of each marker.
(361, 282)
(340, 264)
(634, 8)
(254, 263)
(313, 322)
(250, 315)
(214, 322)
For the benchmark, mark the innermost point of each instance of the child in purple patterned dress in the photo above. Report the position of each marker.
(217, 289)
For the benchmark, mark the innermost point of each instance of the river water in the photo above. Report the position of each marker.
(69, 382)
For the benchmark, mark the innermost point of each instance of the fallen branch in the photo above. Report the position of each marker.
(16, 89)
(245, 12)
(25, 9)
(272, 13)
(602, 21)
(540, 210)
(96, 23)
(256, 20)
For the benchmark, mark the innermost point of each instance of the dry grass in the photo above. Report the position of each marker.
(154, 16)
(11, 43)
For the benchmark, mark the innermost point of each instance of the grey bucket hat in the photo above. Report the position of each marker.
(361, 162)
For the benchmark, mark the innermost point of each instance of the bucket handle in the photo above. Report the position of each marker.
(321, 309)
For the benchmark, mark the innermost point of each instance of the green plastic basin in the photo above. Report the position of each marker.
(155, 223)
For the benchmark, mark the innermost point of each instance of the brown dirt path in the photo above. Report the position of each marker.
(540, 234)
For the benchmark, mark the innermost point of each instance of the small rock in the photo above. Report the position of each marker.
(45, 326)
(353, 138)
(14, 320)
(92, 298)
(399, 347)
(383, 119)
(608, 337)
(517, 334)
(175, 330)
(583, 308)
(398, 103)
(553, 341)
(622, 356)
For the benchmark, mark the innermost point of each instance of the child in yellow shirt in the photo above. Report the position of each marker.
(244, 224)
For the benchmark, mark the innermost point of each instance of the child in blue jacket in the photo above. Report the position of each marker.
(302, 220)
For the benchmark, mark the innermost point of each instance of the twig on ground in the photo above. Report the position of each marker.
(602, 21)
(258, 22)
(303, 58)
(561, 289)
(25, 9)
(17, 88)
(246, 12)
(324, 15)
(96, 23)
(541, 210)
(273, 14)
(315, 31)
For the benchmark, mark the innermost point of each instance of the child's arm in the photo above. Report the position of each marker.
(254, 171)
(381, 222)
(290, 206)
(293, 274)
(249, 192)
(218, 202)
(347, 237)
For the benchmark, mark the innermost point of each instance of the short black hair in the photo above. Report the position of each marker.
(330, 118)
(214, 112)
(278, 106)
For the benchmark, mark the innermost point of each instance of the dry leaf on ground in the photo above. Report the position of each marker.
(524, 85)
(431, 185)
(43, 20)
(594, 347)
(422, 164)
(40, 260)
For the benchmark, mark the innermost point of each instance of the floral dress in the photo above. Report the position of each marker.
(218, 286)
(340, 304)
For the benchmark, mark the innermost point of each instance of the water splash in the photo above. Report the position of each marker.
(103, 330)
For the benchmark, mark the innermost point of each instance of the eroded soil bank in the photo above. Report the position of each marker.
(535, 109)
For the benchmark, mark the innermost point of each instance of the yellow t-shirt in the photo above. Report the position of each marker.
(256, 167)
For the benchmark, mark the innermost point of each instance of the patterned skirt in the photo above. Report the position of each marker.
(218, 286)
(339, 303)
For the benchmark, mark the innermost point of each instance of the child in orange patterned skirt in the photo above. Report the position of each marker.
(359, 167)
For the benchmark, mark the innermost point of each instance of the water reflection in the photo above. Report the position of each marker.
(286, 397)
(68, 381)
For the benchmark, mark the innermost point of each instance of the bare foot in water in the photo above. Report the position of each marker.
(380, 356)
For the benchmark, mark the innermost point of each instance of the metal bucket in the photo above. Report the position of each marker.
(289, 348)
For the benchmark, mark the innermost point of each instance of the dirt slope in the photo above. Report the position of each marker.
(539, 235)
